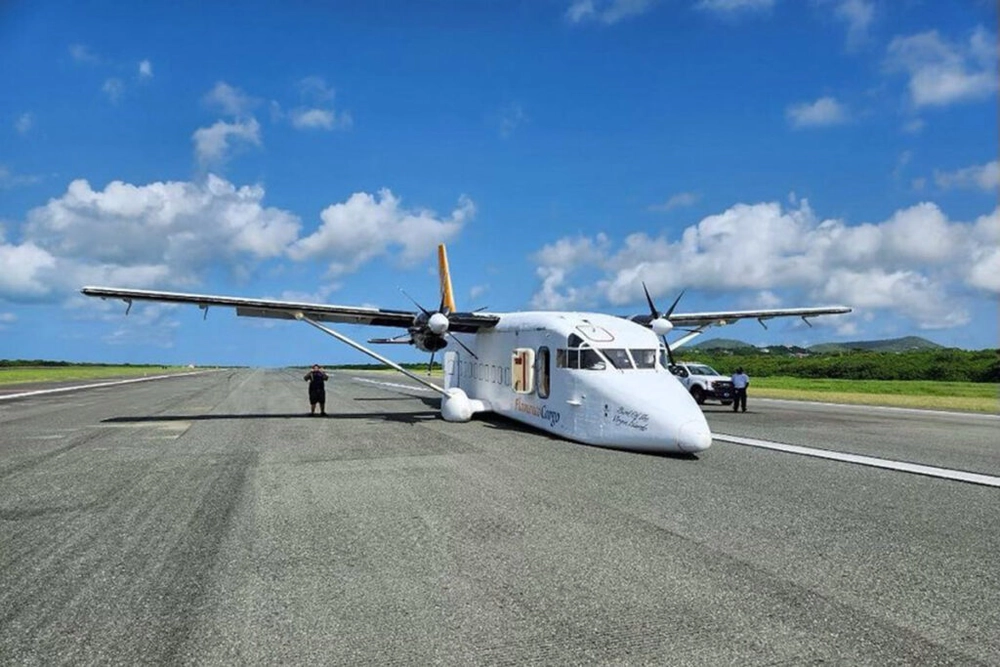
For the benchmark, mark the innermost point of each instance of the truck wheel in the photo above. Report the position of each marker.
(698, 395)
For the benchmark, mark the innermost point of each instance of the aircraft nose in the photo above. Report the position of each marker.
(694, 436)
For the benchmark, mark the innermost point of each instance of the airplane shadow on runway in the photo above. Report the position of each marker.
(400, 417)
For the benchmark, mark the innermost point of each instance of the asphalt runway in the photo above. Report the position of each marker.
(208, 520)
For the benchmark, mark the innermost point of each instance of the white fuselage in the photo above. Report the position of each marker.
(633, 402)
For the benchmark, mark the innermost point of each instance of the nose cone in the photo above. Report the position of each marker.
(694, 436)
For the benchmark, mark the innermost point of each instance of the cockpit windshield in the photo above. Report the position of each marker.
(580, 355)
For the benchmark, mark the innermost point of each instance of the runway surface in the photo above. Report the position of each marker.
(208, 520)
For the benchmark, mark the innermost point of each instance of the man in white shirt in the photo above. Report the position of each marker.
(740, 383)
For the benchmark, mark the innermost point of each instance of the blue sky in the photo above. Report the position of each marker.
(772, 153)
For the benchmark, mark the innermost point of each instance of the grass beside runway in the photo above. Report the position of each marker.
(961, 396)
(14, 375)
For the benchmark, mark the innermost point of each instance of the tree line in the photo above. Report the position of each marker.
(950, 365)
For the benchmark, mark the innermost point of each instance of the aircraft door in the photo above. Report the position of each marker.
(522, 367)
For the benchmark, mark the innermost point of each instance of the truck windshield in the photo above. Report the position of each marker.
(701, 369)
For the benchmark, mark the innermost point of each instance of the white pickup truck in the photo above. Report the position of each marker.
(704, 382)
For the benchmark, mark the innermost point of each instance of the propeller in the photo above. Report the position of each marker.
(660, 322)
(437, 323)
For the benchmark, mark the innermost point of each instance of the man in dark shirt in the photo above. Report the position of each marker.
(317, 389)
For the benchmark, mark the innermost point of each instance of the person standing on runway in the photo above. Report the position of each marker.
(317, 389)
(740, 383)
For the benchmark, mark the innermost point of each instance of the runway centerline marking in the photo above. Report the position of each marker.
(888, 464)
(394, 385)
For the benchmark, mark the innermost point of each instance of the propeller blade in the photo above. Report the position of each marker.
(430, 364)
(652, 307)
(422, 309)
(670, 354)
(464, 346)
(649, 300)
(674, 305)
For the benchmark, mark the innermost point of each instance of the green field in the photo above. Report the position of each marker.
(963, 396)
(24, 374)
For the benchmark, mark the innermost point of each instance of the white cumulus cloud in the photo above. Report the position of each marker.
(212, 145)
(858, 15)
(144, 235)
(317, 112)
(982, 177)
(367, 226)
(823, 112)
(145, 70)
(917, 263)
(114, 89)
(942, 72)
(679, 200)
(27, 271)
(606, 11)
(733, 7)
(229, 100)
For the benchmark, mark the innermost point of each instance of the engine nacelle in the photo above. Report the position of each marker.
(428, 341)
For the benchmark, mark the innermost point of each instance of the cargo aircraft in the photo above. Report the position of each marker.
(594, 378)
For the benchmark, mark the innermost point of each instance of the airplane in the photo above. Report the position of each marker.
(593, 378)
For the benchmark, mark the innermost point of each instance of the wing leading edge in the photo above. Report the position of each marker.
(730, 316)
(292, 310)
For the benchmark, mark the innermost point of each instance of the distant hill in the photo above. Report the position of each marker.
(722, 344)
(905, 344)
(733, 346)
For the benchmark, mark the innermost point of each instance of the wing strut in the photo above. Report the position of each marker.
(375, 355)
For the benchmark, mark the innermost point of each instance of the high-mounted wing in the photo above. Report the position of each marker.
(291, 310)
(696, 323)
(730, 316)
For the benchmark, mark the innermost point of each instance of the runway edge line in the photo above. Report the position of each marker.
(888, 464)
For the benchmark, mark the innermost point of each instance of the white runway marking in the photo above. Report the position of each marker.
(57, 390)
(886, 408)
(394, 385)
(902, 466)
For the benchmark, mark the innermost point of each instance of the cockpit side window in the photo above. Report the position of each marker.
(590, 360)
(585, 358)
(644, 358)
(618, 357)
